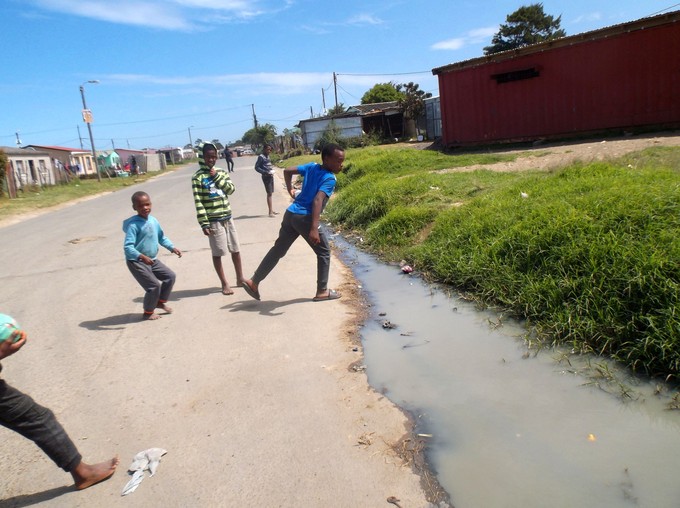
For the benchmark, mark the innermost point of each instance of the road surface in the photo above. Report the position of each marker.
(255, 402)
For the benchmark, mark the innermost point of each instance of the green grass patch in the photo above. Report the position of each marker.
(589, 254)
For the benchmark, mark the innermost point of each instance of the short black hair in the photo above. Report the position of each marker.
(329, 149)
(137, 195)
(208, 146)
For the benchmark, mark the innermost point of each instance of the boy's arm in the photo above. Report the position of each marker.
(260, 166)
(288, 174)
(317, 206)
(224, 182)
(201, 214)
(129, 244)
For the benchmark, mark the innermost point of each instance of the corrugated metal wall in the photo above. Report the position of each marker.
(620, 81)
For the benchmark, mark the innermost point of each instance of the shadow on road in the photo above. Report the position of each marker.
(265, 308)
(38, 497)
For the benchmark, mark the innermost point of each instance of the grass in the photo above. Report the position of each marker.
(588, 254)
(35, 198)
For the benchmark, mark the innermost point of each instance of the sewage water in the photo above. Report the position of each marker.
(511, 428)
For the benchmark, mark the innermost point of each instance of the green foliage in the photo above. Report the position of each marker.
(412, 101)
(331, 134)
(527, 25)
(589, 254)
(382, 92)
(337, 110)
(258, 136)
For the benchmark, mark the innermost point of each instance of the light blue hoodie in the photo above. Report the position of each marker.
(142, 236)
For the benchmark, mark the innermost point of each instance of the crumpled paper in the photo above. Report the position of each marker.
(143, 461)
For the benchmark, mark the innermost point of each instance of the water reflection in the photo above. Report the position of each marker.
(510, 429)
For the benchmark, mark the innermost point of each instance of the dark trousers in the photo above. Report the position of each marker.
(230, 165)
(20, 413)
(292, 226)
(156, 279)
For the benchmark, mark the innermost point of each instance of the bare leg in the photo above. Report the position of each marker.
(270, 206)
(217, 263)
(238, 268)
(86, 475)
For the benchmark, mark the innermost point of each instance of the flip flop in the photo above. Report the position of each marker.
(252, 292)
(332, 295)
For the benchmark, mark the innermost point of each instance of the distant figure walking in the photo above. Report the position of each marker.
(229, 156)
(264, 166)
(302, 219)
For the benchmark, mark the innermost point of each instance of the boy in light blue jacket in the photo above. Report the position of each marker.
(143, 235)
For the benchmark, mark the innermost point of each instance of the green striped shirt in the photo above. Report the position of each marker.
(210, 196)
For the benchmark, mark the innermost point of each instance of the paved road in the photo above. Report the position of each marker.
(253, 400)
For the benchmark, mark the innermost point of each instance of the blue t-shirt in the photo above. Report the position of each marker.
(316, 179)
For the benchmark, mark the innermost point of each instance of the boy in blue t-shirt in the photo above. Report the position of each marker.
(143, 235)
(302, 219)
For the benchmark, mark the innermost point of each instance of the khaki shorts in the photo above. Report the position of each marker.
(223, 238)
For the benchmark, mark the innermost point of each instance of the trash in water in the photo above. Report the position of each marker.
(388, 326)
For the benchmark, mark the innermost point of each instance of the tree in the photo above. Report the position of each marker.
(382, 92)
(337, 110)
(527, 25)
(258, 136)
(412, 104)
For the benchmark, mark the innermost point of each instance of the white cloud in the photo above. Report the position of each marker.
(587, 18)
(475, 36)
(173, 15)
(450, 44)
(364, 19)
(284, 83)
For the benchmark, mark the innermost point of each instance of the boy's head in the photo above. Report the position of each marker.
(141, 203)
(267, 149)
(332, 157)
(209, 152)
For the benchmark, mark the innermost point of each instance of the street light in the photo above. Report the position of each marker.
(87, 118)
(191, 143)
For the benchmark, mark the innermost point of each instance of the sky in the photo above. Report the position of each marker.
(170, 72)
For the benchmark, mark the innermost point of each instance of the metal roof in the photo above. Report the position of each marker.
(601, 33)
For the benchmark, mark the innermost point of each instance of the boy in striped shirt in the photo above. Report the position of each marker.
(211, 186)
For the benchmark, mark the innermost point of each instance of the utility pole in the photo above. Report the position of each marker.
(254, 117)
(311, 112)
(18, 140)
(80, 137)
(112, 145)
(323, 99)
(87, 117)
(335, 88)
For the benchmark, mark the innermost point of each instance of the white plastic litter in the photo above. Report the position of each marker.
(143, 461)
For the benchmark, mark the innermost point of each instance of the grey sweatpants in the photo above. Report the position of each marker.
(20, 413)
(292, 226)
(156, 279)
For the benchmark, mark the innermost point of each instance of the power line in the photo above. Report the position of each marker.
(390, 74)
(662, 10)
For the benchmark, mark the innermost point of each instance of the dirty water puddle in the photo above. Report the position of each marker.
(507, 427)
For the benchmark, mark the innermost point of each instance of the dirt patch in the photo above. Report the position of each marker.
(547, 156)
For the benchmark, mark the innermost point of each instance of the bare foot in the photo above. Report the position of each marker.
(164, 307)
(150, 317)
(226, 290)
(86, 475)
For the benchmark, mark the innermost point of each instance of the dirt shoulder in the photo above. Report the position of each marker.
(546, 156)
